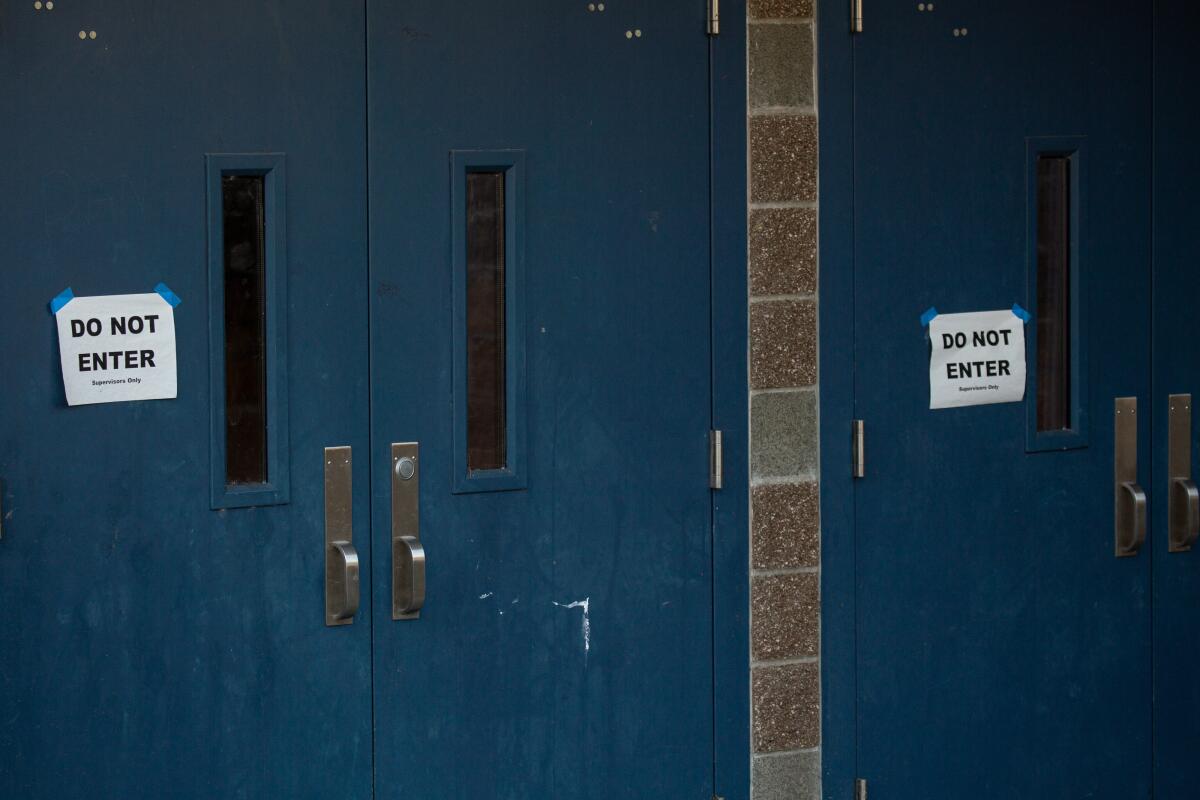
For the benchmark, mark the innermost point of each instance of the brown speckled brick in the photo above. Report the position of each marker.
(783, 251)
(783, 158)
(783, 344)
(785, 613)
(787, 707)
(786, 529)
(780, 9)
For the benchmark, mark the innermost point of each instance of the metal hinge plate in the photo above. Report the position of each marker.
(716, 460)
(714, 17)
(858, 452)
(860, 789)
(856, 16)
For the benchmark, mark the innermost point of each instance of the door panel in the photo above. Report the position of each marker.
(1176, 371)
(1003, 651)
(565, 646)
(151, 646)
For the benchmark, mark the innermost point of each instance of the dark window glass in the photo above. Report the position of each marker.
(1053, 292)
(486, 413)
(244, 230)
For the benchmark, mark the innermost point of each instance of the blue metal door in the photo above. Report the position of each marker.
(539, 208)
(152, 645)
(1003, 650)
(1176, 371)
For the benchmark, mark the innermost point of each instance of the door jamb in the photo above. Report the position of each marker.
(839, 716)
(730, 403)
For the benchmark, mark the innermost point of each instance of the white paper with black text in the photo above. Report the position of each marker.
(116, 348)
(976, 358)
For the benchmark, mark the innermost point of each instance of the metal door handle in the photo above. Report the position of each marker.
(1129, 505)
(1183, 500)
(344, 587)
(408, 577)
(1184, 508)
(341, 559)
(408, 556)
(1131, 519)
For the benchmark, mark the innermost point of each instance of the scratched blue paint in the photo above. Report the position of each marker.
(615, 136)
(979, 638)
(1176, 369)
(151, 647)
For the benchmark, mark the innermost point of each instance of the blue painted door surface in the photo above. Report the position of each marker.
(1002, 650)
(1176, 371)
(151, 646)
(565, 649)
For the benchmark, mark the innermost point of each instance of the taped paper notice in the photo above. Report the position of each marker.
(977, 358)
(116, 348)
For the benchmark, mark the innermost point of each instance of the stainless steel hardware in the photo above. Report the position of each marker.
(1129, 503)
(716, 459)
(858, 452)
(408, 556)
(341, 559)
(860, 789)
(1183, 499)
(856, 14)
(714, 17)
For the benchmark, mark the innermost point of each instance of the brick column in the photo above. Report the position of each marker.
(785, 532)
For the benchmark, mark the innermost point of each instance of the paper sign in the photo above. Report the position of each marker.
(977, 358)
(116, 348)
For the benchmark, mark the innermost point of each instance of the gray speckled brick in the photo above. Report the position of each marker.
(783, 434)
(781, 65)
(787, 776)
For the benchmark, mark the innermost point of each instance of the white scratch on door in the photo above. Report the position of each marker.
(584, 604)
(486, 595)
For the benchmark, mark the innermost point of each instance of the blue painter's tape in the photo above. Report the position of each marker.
(64, 297)
(167, 294)
(1020, 312)
(928, 316)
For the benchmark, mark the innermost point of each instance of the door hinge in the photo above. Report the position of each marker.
(860, 789)
(858, 451)
(716, 461)
(714, 17)
(856, 16)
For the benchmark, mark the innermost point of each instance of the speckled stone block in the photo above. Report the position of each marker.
(780, 9)
(786, 527)
(787, 776)
(784, 614)
(783, 251)
(783, 434)
(783, 158)
(783, 344)
(787, 707)
(781, 64)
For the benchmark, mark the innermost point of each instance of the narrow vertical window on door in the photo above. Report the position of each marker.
(1057, 418)
(247, 352)
(489, 377)
(486, 417)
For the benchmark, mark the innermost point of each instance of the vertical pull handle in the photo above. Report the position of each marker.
(1183, 499)
(341, 559)
(1129, 498)
(342, 593)
(408, 556)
